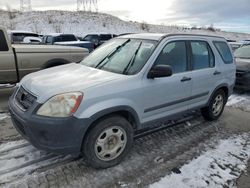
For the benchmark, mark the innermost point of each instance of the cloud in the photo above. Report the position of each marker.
(210, 11)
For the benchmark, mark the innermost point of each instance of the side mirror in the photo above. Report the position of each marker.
(160, 71)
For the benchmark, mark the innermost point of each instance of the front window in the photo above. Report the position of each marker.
(174, 54)
(243, 52)
(123, 56)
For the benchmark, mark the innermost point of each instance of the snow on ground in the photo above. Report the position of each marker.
(215, 168)
(10, 145)
(19, 158)
(82, 23)
(239, 101)
(3, 116)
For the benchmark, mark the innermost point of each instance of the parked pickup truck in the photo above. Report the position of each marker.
(17, 37)
(18, 60)
(67, 40)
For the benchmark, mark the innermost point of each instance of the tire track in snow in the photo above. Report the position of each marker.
(19, 158)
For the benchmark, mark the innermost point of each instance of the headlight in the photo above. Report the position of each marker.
(63, 105)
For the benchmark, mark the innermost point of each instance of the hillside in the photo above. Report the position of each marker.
(82, 23)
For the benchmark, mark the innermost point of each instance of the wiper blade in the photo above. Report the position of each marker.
(132, 60)
(112, 53)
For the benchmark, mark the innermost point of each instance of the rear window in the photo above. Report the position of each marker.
(18, 37)
(105, 37)
(68, 38)
(91, 37)
(3, 42)
(224, 51)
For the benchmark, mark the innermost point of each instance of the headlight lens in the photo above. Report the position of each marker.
(63, 105)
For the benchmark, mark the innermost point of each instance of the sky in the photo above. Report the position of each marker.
(229, 15)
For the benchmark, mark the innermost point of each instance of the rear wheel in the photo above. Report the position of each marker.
(108, 142)
(216, 106)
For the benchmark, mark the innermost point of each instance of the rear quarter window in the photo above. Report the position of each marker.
(224, 51)
(3, 42)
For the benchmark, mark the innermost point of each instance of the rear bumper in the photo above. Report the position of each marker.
(57, 135)
(242, 81)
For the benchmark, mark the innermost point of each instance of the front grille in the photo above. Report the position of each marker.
(25, 99)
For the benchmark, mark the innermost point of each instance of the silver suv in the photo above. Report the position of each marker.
(126, 86)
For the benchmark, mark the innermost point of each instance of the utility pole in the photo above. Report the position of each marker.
(25, 6)
(87, 5)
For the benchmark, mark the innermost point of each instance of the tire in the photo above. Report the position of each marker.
(212, 111)
(108, 142)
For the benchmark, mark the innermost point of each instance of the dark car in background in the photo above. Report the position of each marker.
(67, 40)
(242, 56)
(98, 39)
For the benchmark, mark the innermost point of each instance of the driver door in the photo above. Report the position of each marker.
(168, 95)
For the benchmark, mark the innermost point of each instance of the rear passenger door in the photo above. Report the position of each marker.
(205, 71)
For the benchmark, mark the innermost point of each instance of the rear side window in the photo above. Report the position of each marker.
(224, 51)
(202, 55)
(3, 42)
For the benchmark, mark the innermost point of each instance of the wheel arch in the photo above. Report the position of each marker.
(124, 111)
(224, 87)
(55, 62)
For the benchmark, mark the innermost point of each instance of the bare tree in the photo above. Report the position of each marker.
(11, 15)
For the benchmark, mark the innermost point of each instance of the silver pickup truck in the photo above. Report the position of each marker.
(18, 60)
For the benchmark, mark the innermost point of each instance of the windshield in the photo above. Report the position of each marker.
(18, 37)
(123, 56)
(243, 52)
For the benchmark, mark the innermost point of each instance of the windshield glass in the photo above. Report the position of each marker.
(123, 56)
(243, 52)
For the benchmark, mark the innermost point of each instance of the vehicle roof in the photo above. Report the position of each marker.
(57, 34)
(160, 36)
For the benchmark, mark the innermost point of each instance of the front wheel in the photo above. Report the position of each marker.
(216, 106)
(107, 143)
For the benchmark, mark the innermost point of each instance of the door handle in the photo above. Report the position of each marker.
(217, 72)
(185, 79)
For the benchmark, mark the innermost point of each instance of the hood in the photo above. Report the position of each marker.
(25, 48)
(243, 64)
(66, 78)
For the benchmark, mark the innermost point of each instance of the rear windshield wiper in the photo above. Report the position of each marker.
(112, 53)
(132, 60)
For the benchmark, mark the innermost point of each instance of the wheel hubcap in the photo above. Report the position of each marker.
(110, 143)
(218, 105)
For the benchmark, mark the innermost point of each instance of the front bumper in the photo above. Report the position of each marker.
(57, 135)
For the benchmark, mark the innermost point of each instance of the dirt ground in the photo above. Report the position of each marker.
(152, 157)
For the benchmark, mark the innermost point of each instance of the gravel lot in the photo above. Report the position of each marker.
(153, 156)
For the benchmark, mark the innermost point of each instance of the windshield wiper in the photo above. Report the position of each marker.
(132, 60)
(111, 54)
